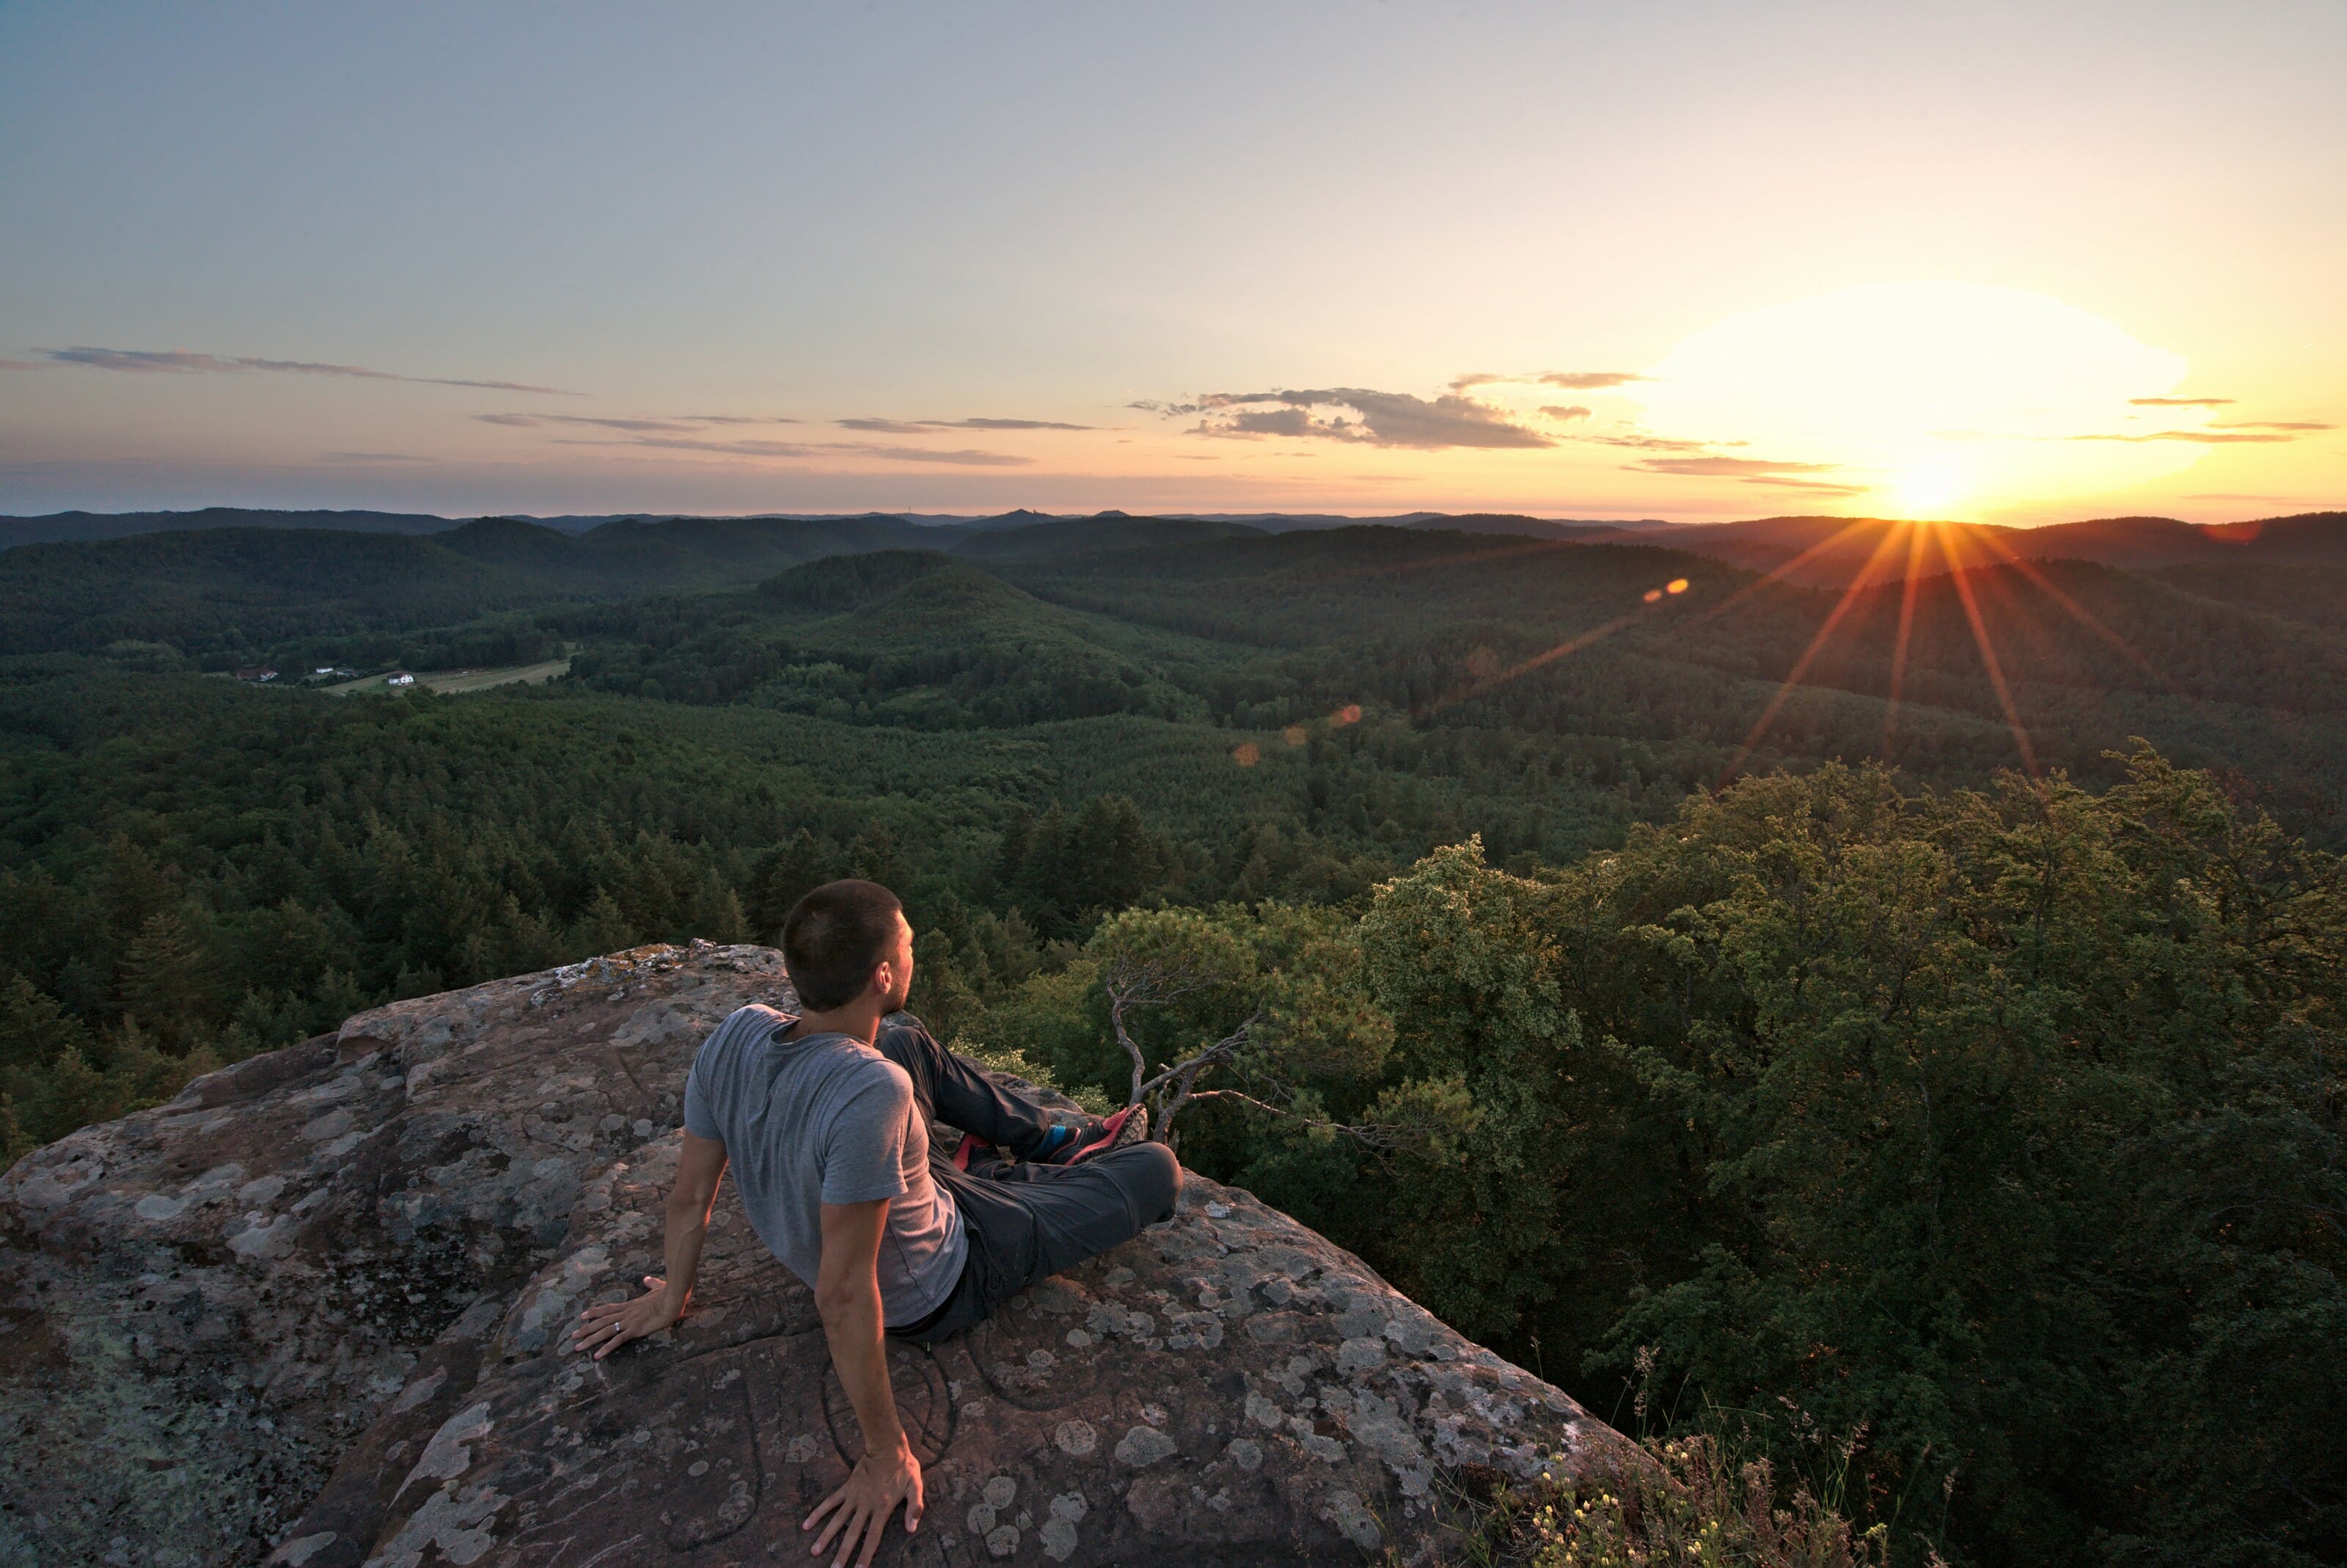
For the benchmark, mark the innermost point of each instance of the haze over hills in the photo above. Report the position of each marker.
(1818, 549)
(1831, 551)
(56, 527)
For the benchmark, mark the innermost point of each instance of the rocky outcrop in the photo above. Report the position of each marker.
(314, 1310)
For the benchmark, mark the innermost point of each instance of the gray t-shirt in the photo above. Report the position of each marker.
(825, 1119)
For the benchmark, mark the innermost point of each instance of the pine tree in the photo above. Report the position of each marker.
(717, 914)
(601, 928)
(872, 856)
(1112, 860)
(786, 874)
(164, 981)
(15, 1142)
(133, 886)
(1043, 874)
(34, 1030)
(1010, 856)
(941, 997)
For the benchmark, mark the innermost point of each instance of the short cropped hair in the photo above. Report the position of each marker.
(834, 938)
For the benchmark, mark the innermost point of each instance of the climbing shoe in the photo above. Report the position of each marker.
(1092, 1139)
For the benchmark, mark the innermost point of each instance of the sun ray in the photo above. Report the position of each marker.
(1778, 572)
(1915, 537)
(1849, 596)
(2077, 611)
(1525, 666)
(1958, 574)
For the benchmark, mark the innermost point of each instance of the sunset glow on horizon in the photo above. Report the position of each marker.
(1973, 263)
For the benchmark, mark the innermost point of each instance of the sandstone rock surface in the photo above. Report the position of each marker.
(313, 1311)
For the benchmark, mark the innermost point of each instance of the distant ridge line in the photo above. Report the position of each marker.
(1810, 550)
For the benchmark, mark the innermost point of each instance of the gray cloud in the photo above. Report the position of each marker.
(1564, 412)
(686, 444)
(2179, 401)
(1565, 380)
(1812, 486)
(1588, 380)
(1775, 472)
(681, 423)
(180, 361)
(1732, 467)
(923, 426)
(1371, 418)
(2274, 425)
(2200, 438)
(1002, 424)
(966, 458)
(377, 458)
(530, 420)
(1640, 442)
(1295, 421)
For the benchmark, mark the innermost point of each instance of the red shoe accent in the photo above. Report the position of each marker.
(1127, 1126)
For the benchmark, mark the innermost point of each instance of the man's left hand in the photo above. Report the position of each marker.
(605, 1328)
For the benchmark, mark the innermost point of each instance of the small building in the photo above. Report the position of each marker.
(399, 678)
(324, 669)
(257, 673)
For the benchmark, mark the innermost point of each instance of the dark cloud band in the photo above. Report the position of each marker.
(180, 361)
(924, 426)
(1359, 414)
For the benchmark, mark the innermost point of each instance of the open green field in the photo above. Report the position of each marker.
(465, 679)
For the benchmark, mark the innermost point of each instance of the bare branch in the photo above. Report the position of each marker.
(1374, 1135)
(1133, 983)
(1222, 1050)
(1118, 1001)
(1184, 1076)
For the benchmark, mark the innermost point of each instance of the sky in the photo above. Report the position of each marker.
(2016, 263)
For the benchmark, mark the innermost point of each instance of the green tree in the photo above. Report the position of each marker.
(784, 874)
(165, 981)
(601, 928)
(1465, 960)
(34, 1030)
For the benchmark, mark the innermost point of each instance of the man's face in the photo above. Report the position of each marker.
(900, 967)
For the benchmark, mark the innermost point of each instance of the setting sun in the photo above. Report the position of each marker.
(1927, 396)
(1929, 488)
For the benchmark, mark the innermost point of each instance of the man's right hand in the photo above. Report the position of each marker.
(605, 1328)
(877, 1483)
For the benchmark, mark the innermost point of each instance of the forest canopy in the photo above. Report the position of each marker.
(1969, 1105)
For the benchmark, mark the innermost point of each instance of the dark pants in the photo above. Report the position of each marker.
(1024, 1221)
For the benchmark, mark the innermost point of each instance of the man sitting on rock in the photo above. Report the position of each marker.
(825, 1120)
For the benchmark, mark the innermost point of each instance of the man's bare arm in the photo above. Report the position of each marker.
(848, 1294)
(604, 1329)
